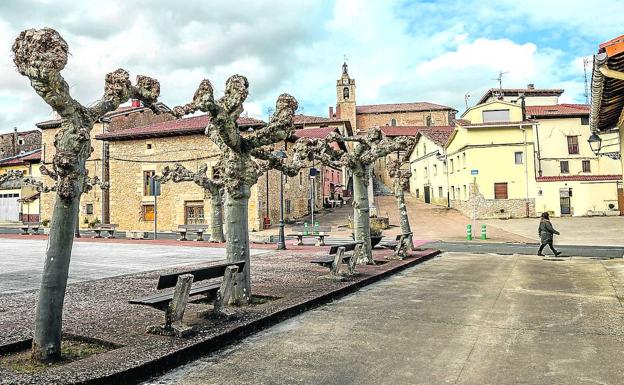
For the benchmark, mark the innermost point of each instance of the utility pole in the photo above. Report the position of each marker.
(585, 65)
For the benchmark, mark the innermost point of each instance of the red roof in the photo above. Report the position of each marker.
(467, 123)
(400, 107)
(562, 178)
(411, 130)
(558, 110)
(439, 137)
(315, 133)
(28, 157)
(184, 126)
(309, 119)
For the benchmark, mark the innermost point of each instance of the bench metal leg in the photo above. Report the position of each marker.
(98, 234)
(111, 234)
(182, 236)
(200, 236)
(35, 231)
(175, 311)
(299, 240)
(24, 231)
(321, 240)
(335, 267)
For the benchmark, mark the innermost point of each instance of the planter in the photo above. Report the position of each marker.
(46, 231)
(382, 222)
(375, 240)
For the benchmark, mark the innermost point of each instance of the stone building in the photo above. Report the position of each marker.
(19, 201)
(94, 205)
(16, 142)
(136, 154)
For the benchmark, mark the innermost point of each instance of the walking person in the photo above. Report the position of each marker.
(546, 232)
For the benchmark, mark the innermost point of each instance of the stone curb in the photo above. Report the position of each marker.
(160, 365)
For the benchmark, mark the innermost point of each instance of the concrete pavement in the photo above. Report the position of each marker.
(458, 319)
(21, 260)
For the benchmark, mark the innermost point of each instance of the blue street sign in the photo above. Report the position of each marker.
(474, 172)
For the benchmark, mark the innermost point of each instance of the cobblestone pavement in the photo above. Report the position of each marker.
(21, 260)
(457, 319)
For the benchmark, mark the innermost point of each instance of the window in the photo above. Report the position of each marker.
(496, 116)
(435, 169)
(426, 175)
(573, 147)
(287, 204)
(345, 93)
(585, 120)
(147, 213)
(428, 121)
(465, 192)
(458, 164)
(149, 146)
(452, 192)
(586, 166)
(424, 149)
(393, 122)
(500, 190)
(464, 159)
(565, 166)
(440, 192)
(89, 208)
(194, 213)
(417, 193)
(452, 166)
(300, 178)
(147, 188)
(519, 155)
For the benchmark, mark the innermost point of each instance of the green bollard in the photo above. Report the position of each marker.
(306, 232)
(469, 232)
(483, 233)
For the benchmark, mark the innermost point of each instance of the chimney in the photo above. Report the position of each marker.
(523, 106)
(136, 103)
(531, 86)
(331, 112)
(16, 149)
(338, 111)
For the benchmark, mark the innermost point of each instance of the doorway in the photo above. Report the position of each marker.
(565, 195)
(620, 197)
(427, 194)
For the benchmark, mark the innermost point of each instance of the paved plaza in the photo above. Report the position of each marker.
(457, 319)
(21, 260)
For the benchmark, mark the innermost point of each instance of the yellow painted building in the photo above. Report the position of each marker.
(18, 201)
(429, 180)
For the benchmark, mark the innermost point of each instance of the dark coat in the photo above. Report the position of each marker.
(546, 231)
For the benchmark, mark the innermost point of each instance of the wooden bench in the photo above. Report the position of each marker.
(136, 234)
(27, 227)
(335, 202)
(338, 255)
(108, 227)
(400, 245)
(199, 230)
(319, 232)
(174, 304)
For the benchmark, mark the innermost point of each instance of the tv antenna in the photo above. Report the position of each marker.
(585, 65)
(466, 97)
(500, 79)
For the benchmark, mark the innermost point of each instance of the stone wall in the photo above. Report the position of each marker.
(493, 208)
(438, 118)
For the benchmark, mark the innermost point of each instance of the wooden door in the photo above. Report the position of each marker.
(427, 194)
(620, 195)
(500, 191)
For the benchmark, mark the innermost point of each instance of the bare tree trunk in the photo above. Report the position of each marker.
(403, 218)
(216, 219)
(77, 228)
(237, 245)
(48, 321)
(361, 223)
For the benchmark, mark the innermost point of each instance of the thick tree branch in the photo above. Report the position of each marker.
(10, 176)
(178, 173)
(118, 89)
(281, 126)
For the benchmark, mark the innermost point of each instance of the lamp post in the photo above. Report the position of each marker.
(281, 243)
(595, 143)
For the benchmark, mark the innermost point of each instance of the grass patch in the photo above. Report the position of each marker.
(72, 349)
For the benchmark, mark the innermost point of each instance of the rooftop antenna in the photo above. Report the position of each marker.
(270, 113)
(466, 97)
(500, 80)
(585, 65)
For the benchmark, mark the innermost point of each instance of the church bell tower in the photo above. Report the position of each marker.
(345, 97)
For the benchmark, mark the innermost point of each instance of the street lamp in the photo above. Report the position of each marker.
(281, 243)
(595, 143)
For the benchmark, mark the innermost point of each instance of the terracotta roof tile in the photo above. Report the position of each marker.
(411, 130)
(184, 126)
(33, 156)
(516, 91)
(315, 133)
(309, 119)
(439, 137)
(558, 110)
(401, 107)
(561, 178)
(494, 124)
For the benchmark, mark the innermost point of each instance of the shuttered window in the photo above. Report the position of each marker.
(573, 147)
(586, 166)
(500, 190)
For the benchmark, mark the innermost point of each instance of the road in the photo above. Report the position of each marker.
(21, 260)
(528, 249)
(457, 319)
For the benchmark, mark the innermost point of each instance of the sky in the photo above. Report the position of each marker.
(397, 51)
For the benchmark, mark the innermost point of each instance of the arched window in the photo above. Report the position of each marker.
(393, 122)
(345, 92)
(428, 120)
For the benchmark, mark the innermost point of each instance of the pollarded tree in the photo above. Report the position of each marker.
(400, 177)
(367, 150)
(40, 55)
(213, 188)
(243, 158)
(10, 176)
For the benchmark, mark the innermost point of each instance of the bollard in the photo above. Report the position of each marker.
(483, 233)
(305, 225)
(469, 232)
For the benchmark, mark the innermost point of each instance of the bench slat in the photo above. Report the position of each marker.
(156, 300)
(209, 272)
